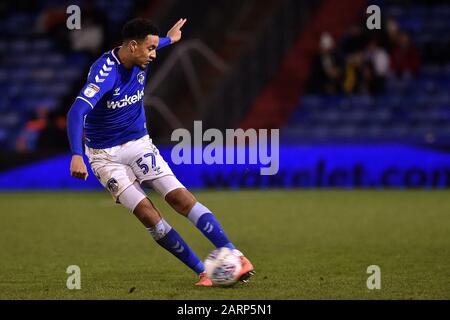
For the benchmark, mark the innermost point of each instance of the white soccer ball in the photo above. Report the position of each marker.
(223, 266)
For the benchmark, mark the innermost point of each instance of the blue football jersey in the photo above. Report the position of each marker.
(116, 95)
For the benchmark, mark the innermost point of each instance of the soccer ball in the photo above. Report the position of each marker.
(223, 266)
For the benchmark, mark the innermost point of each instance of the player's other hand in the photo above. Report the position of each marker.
(78, 168)
(175, 33)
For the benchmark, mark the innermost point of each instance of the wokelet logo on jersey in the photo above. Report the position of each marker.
(125, 101)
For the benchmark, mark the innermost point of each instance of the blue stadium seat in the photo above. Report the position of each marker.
(42, 45)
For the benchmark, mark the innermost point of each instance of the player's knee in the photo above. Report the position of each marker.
(132, 196)
(147, 213)
(144, 207)
(181, 200)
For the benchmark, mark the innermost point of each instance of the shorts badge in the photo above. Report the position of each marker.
(112, 185)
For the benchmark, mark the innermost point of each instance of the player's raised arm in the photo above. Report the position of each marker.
(175, 32)
(173, 35)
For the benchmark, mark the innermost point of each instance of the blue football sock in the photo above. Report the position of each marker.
(170, 240)
(207, 223)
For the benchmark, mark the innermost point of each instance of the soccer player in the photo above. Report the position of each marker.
(121, 154)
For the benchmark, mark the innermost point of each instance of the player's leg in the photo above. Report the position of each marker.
(152, 170)
(134, 199)
(120, 180)
(185, 203)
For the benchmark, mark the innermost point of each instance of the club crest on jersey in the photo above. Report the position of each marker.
(112, 185)
(91, 90)
(140, 77)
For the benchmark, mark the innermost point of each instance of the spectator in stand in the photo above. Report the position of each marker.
(371, 84)
(405, 59)
(355, 39)
(54, 134)
(353, 73)
(52, 22)
(27, 139)
(388, 34)
(45, 130)
(325, 70)
(378, 61)
(378, 57)
(90, 38)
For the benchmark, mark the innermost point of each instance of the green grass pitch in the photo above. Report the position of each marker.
(304, 245)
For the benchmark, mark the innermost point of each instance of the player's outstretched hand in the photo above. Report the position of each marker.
(78, 168)
(175, 33)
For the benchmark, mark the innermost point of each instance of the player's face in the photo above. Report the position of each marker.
(145, 51)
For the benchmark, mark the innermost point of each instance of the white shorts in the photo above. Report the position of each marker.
(119, 167)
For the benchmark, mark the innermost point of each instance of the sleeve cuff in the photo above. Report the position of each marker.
(163, 42)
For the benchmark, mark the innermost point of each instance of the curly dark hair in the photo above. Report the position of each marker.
(138, 28)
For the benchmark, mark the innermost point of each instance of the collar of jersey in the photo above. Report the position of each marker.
(114, 56)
